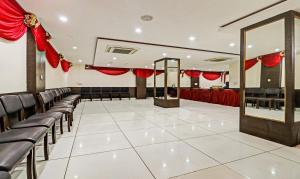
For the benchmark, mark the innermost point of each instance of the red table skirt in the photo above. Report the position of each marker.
(226, 97)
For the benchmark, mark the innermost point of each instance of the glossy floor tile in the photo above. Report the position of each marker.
(133, 139)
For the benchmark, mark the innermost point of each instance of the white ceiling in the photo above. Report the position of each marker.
(174, 21)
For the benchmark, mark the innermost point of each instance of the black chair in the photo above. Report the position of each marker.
(96, 92)
(86, 93)
(106, 93)
(115, 93)
(46, 103)
(124, 92)
(149, 92)
(71, 97)
(13, 108)
(30, 110)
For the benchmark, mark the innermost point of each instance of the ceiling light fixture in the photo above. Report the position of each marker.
(164, 54)
(277, 50)
(152, 64)
(114, 58)
(188, 56)
(250, 46)
(192, 38)
(138, 30)
(63, 19)
(80, 61)
(75, 48)
(232, 44)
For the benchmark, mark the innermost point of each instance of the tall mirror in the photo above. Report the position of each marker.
(159, 80)
(265, 72)
(173, 81)
(297, 69)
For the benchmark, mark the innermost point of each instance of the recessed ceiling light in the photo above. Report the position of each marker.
(152, 64)
(192, 38)
(250, 46)
(164, 54)
(80, 61)
(114, 58)
(63, 18)
(138, 30)
(188, 56)
(277, 50)
(75, 48)
(232, 44)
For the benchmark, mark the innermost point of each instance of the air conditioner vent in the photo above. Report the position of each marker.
(216, 60)
(121, 50)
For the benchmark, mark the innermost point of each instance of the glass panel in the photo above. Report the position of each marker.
(265, 74)
(159, 79)
(172, 82)
(297, 69)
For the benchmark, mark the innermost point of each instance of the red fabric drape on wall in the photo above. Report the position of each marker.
(250, 63)
(143, 73)
(158, 72)
(52, 55)
(211, 75)
(272, 60)
(39, 34)
(111, 71)
(65, 65)
(12, 25)
(193, 73)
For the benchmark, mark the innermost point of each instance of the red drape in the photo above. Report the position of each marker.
(111, 71)
(158, 72)
(52, 55)
(143, 73)
(12, 25)
(39, 34)
(250, 63)
(271, 60)
(65, 65)
(193, 73)
(211, 75)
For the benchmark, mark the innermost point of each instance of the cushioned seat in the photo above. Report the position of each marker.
(35, 122)
(56, 115)
(33, 134)
(4, 175)
(13, 153)
(60, 109)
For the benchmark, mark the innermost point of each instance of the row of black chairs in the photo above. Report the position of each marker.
(105, 92)
(22, 127)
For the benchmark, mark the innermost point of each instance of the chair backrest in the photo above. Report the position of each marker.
(28, 100)
(106, 90)
(115, 90)
(2, 114)
(12, 104)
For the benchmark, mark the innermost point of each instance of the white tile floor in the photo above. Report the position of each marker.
(135, 140)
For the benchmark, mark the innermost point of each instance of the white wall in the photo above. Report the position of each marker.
(78, 77)
(55, 77)
(13, 66)
(253, 76)
(204, 83)
(234, 75)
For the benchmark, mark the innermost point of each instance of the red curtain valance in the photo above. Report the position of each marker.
(158, 72)
(110, 71)
(52, 55)
(143, 73)
(211, 75)
(65, 65)
(40, 36)
(193, 73)
(250, 63)
(12, 25)
(272, 60)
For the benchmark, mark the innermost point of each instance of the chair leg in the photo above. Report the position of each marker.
(54, 134)
(61, 125)
(30, 165)
(69, 124)
(71, 119)
(34, 163)
(46, 147)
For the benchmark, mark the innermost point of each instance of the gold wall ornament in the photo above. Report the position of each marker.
(31, 20)
(61, 56)
(48, 36)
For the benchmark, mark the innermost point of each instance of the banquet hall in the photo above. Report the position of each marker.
(195, 89)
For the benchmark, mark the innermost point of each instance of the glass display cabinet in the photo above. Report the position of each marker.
(167, 82)
(270, 79)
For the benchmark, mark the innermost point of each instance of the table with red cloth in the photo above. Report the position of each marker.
(226, 97)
